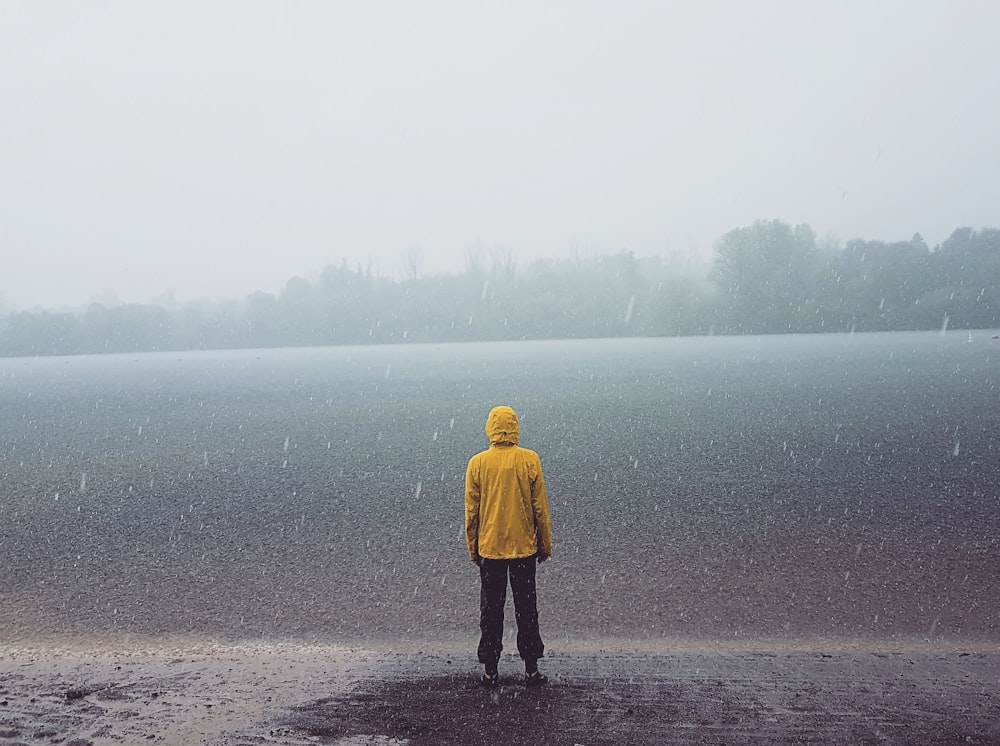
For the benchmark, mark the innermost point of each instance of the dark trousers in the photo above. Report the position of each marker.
(492, 597)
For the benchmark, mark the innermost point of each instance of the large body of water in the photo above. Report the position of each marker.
(841, 487)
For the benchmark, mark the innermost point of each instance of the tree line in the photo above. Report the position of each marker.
(767, 278)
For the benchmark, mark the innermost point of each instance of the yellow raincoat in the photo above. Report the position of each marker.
(506, 508)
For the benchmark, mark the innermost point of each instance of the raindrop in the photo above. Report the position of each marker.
(628, 311)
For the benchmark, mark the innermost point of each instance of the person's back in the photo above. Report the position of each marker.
(507, 529)
(505, 496)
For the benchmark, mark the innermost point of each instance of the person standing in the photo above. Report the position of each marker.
(508, 530)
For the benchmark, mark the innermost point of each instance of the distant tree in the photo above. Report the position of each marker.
(967, 266)
(125, 328)
(503, 268)
(767, 278)
(296, 304)
(263, 322)
(882, 283)
(412, 263)
(764, 274)
(40, 333)
(617, 294)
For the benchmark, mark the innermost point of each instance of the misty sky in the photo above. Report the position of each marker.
(210, 149)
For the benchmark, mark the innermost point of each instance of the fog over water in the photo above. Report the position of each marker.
(173, 151)
(836, 486)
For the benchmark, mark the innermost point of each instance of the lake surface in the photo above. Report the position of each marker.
(845, 487)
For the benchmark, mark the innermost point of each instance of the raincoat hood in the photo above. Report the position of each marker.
(502, 426)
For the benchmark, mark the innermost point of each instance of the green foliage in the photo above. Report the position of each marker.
(767, 278)
(773, 278)
(967, 268)
(766, 275)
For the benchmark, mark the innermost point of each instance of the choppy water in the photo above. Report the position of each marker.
(842, 486)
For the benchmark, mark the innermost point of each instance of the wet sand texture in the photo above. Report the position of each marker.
(241, 696)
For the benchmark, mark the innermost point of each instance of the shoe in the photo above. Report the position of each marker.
(490, 682)
(535, 679)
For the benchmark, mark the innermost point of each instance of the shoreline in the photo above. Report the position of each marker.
(104, 692)
(84, 646)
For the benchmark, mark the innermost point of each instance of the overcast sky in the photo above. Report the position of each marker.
(210, 149)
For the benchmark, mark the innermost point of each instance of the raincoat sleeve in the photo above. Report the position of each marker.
(473, 494)
(540, 507)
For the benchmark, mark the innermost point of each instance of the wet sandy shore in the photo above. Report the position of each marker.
(183, 692)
